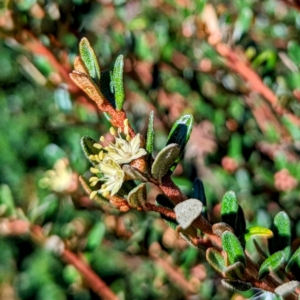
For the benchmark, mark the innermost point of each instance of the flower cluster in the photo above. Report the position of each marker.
(110, 159)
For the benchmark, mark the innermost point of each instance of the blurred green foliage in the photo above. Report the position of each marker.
(168, 65)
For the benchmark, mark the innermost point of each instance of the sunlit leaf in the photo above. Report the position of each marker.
(89, 59)
(258, 231)
(233, 248)
(272, 263)
(117, 82)
(215, 259)
(150, 133)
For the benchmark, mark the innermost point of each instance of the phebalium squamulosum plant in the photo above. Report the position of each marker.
(123, 166)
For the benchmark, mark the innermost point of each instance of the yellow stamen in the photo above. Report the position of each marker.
(93, 194)
(105, 194)
(101, 155)
(102, 139)
(94, 170)
(128, 138)
(93, 179)
(97, 146)
(112, 131)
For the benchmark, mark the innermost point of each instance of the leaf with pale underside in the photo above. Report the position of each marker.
(133, 173)
(187, 211)
(219, 228)
(236, 285)
(216, 259)
(287, 288)
(164, 160)
(88, 86)
(79, 65)
(232, 246)
(89, 59)
(117, 82)
(272, 263)
(138, 196)
(235, 271)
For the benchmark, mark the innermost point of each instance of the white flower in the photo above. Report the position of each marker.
(112, 175)
(123, 152)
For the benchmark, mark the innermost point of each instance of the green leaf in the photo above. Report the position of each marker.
(215, 259)
(187, 211)
(232, 246)
(164, 160)
(150, 133)
(282, 233)
(243, 23)
(199, 193)
(272, 263)
(7, 201)
(138, 196)
(117, 82)
(88, 148)
(236, 285)
(287, 288)
(235, 271)
(229, 209)
(95, 236)
(258, 231)
(219, 228)
(180, 133)
(89, 59)
(294, 264)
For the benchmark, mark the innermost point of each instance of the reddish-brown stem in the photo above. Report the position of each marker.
(91, 278)
(239, 66)
(162, 210)
(171, 190)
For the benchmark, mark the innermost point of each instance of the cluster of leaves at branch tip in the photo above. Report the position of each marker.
(116, 173)
(231, 262)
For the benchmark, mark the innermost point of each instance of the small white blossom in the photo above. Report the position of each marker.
(112, 175)
(123, 152)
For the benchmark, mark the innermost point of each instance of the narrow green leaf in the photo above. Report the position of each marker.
(294, 264)
(233, 248)
(199, 193)
(272, 263)
(164, 160)
(117, 82)
(150, 133)
(216, 259)
(187, 211)
(235, 271)
(138, 196)
(180, 134)
(287, 288)
(229, 209)
(236, 285)
(282, 233)
(88, 148)
(258, 231)
(89, 59)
